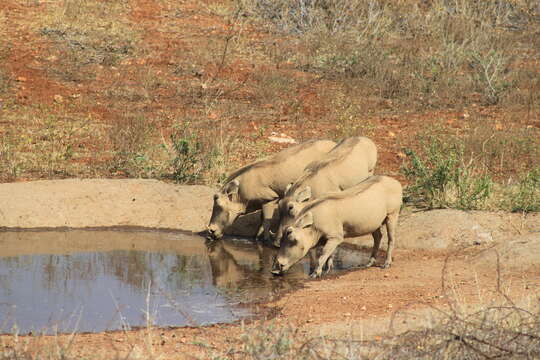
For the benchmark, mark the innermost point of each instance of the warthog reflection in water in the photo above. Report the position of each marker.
(244, 265)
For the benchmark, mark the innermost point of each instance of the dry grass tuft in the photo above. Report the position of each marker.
(445, 53)
(88, 33)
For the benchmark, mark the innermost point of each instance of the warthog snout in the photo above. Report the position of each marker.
(277, 268)
(214, 233)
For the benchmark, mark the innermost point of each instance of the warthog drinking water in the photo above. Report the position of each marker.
(360, 210)
(257, 185)
(348, 163)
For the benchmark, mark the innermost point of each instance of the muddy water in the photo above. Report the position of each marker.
(91, 281)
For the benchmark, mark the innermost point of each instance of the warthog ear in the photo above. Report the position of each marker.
(232, 188)
(289, 186)
(306, 220)
(304, 194)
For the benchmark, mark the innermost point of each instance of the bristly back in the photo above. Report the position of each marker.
(335, 156)
(271, 160)
(353, 191)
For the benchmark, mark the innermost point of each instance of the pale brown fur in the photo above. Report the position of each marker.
(360, 210)
(258, 184)
(350, 162)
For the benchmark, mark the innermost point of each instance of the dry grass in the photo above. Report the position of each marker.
(5, 85)
(496, 331)
(480, 165)
(39, 142)
(439, 54)
(88, 34)
(190, 93)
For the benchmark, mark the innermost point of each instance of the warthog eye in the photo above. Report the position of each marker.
(289, 231)
(291, 206)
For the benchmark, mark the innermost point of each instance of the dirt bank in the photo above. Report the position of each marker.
(99, 203)
(77, 203)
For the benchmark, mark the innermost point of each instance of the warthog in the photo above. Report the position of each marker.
(257, 185)
(351, 161)
(326, 221)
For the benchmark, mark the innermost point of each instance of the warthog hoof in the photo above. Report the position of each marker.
(369, 264)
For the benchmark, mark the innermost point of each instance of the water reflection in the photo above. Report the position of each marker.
(91, 281)
(245, 268)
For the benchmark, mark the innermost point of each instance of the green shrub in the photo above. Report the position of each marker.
(194, 154)
(527, 196)
(441, 178)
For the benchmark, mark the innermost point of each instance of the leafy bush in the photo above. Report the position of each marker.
(527, 196)
(441, 178)
(193, 157)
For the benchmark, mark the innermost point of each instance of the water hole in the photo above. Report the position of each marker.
(99, 280)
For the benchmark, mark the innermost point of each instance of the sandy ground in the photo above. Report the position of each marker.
(441, 254)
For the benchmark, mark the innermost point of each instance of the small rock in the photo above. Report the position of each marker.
(21, 79)
(363, 308)
(282, 140)
(58, 98)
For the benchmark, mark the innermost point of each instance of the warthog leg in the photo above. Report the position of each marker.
(377, 236)
(312, 259)
(313, 254)
(391, 224)
(267, 215)
(331, 244)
